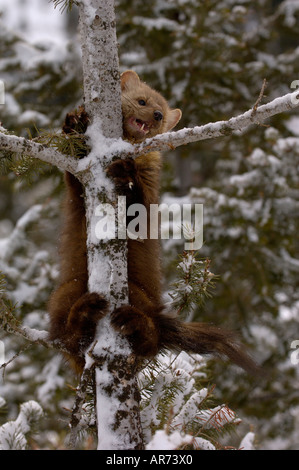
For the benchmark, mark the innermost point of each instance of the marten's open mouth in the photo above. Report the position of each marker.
(143, 125)
(139, 125)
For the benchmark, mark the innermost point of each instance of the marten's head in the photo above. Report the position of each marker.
(145, 112)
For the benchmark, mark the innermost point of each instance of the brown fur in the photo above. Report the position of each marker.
(74, 312)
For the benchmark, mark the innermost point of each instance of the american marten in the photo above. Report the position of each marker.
(74, 312)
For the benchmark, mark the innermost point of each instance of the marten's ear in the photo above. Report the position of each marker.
(173, 118)
(129, 79)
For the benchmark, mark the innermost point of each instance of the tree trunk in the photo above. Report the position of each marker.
(117, 396)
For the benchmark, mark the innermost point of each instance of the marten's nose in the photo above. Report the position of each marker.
(158, 115)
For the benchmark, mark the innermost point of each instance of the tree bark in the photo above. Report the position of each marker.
(117, 396)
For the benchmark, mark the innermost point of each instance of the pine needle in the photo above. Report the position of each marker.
(28, 169)
(73, 144)
(65, 4)
(194, 284)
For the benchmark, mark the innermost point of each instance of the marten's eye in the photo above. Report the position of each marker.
(142, 103)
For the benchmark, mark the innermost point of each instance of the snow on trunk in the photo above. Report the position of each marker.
(117, 397)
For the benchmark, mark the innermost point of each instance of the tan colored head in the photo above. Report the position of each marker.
(145, 112)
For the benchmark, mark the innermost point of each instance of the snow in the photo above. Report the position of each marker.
(287, 144)
(107, 405)
(165, 441)
(50, 381)
(187, 262)
(35, 20)
(161, 23)
(12, 433)
(35, 335)
(102, 146)
(10, 244)
(292, 124)
(289, 8)
(247, 442)
(106, 408)
(258, 157)
(246, 180)
(216, 418)
(90, 10)
(287, 313)
(30, 116)
(203, 444)
(172, 372)
(106, 336)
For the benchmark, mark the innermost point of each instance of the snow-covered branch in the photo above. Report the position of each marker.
(9, 324)
(220, 128)
(20, 145)
(170, 140)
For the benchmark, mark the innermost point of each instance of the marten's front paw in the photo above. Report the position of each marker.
(138, 328)
(123, 172)
(75, 124)
(76, 121)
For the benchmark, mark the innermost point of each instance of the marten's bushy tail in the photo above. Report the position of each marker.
(205, 339)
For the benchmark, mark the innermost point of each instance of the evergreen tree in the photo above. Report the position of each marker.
(211, 59)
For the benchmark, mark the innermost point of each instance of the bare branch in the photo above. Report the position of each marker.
(259, 100)
(81, 391)
(5, 364)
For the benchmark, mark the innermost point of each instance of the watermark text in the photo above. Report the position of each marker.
(2, 353)
(295, 99)
(137, 222)
(295, 353)
(2, 92)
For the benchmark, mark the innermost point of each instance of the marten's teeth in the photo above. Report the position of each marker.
(142, 127)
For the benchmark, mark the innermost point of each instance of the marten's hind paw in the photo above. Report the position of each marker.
(139, 329)
(86, 312)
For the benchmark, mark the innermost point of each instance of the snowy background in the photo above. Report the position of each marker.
(210, 59)
(35, 20)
